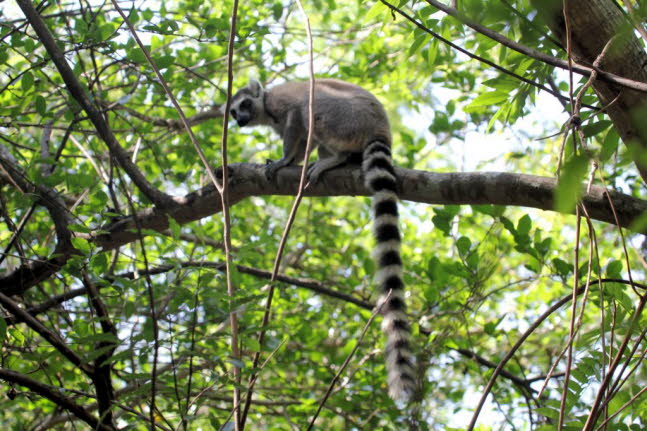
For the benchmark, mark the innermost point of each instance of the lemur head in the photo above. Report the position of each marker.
(247, 105)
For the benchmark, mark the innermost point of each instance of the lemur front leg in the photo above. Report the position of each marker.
(293, 145)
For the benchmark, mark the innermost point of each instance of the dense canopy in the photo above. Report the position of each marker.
(130, 300)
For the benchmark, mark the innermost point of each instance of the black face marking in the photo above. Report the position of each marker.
(243, 113)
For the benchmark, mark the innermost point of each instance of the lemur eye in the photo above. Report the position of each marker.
(246, 104)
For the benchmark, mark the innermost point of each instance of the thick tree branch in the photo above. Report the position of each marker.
(474, 188)
(80, 95)
(53, 394)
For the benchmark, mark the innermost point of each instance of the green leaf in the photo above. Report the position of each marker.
(548, 412)
(593, 129)
(463, 244)
(99, 263)
(442, 223)
(489, 98)
(27, 81)
(614, 269)
(562, 267)
(609, 145)
(107, 30)
(41, 105)
(569, 187)
(252, 344)
(524, 225)
(136, 55)
(174, 227)
(164, 61)
(17, 335)
(376, 10)
(491, 210)
(418, 43)
(277, 11)
(3, 330)
(82, 245)
(432, 53)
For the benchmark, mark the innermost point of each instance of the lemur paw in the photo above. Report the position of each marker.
(271, 168)
(313, 174)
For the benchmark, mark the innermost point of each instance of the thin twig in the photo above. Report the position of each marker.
(265, 362)
(624, 406)
(636, 21)
(470, 54)
(222, 189)
(153, 308)
(78, 92)
(291, 217)
(532, 53)
(571, 325)
(594, 412)
(376, 311)
(51, 337)
(523, 338)
(54, 394)
(224, 199)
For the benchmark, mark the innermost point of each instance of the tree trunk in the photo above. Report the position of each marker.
(592, 24)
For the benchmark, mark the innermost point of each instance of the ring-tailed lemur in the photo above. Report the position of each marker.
(347, 120)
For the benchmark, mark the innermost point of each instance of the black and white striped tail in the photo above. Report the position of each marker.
(379, 178)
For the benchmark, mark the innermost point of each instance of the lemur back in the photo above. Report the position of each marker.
(348, 120)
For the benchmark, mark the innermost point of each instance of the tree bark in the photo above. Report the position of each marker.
(592, 24)
(467, 188)
(246, 180)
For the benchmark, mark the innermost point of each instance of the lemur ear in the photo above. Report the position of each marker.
(255, 87)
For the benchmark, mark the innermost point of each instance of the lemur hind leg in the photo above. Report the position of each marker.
(323, 165)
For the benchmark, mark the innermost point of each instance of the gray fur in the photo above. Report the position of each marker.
(347, 120)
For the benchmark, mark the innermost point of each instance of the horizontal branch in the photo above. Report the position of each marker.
(470, 188)
(313, 285)
(523, 383)
(173, 124)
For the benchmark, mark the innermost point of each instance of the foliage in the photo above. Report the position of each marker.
(478, 275)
